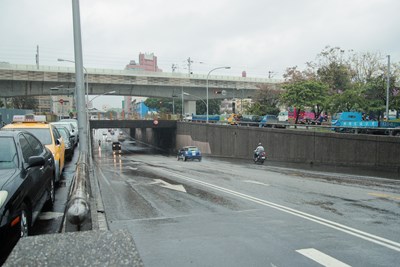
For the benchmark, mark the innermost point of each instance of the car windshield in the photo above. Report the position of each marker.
(8, 153)
(67, 124)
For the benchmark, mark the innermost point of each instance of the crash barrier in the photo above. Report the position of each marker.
(78, 205)
(378, 152)
(314, 127)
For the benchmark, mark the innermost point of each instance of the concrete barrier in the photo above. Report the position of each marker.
(294, 146)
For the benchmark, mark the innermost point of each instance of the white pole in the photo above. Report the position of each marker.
(80, 87)
(207, 86)
(387, 89)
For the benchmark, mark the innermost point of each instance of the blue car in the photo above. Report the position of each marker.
(189, 153)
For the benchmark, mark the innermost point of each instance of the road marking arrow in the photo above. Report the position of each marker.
(177, 187)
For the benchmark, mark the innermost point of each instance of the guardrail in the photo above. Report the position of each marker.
(78, 205)
(315, 127)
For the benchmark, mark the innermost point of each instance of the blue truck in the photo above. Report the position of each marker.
(354, 122)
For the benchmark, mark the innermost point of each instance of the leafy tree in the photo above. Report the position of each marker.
(266, 101)
(163, 105)
(294, 75)
(349, 100)
(24, 102)
(213, 107)
(166, 105)
(305, 94)
(365, 65)
(337, 76)
(375, 94)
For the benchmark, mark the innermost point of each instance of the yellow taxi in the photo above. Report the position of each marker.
(46, 133)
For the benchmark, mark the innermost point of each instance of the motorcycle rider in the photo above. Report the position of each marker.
(258, 150)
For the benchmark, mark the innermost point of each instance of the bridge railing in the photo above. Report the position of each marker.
(176, 75)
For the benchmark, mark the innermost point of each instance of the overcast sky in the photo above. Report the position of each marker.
(258, 36)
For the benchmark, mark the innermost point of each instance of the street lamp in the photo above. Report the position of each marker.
(106, 93)
(184, 93)
(87, 77)
(207, 85)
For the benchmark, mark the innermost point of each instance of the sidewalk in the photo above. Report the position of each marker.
(90, 248)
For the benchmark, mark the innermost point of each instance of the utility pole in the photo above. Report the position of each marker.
(270, 74)
(190, 65)
(37, 56)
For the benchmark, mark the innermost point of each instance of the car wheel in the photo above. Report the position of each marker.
(185, 159)
(24, 221)
(199, 159)
(52, 194)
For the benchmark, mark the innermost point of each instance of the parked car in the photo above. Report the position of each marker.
(74, 123)
(116, 146)
(68, 140)
(189, 153)
(271, 121)
(47, 134)
(71, 128)
(27, 179)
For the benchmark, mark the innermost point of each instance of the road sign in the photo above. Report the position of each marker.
(61, 101)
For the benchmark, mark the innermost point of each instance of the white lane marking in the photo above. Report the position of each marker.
(321, 258)
(103, 176)
(132, 168)
(49, 215)
(255, 182)
(340, 227)
(177, 187)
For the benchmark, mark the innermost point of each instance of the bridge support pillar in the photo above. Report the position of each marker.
(189, 107)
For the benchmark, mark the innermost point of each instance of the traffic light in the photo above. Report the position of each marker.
(233, 107)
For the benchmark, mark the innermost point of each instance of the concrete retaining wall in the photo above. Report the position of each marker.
(289, 145)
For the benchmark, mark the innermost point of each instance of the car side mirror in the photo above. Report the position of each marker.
(58, 142)
(36, 161)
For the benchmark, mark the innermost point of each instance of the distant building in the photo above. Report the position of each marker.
(61, 105)
(147, 62)
(140, 109)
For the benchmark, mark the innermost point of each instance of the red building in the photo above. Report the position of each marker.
(147, 62)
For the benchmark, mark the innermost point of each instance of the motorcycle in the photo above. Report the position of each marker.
(260, 158)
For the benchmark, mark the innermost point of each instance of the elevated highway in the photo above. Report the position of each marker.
(28, 80)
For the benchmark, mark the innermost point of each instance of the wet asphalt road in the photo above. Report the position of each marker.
(235, 213)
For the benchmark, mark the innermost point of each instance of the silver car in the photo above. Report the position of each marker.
(72, 131)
